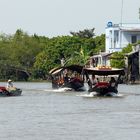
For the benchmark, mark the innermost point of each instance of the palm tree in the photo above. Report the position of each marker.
(83, 55)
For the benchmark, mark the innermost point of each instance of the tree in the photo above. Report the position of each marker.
(36, 55)
(81, 57)
(117, 60)
(86, 33)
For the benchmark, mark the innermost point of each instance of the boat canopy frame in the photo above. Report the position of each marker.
(58, 70)
(104, 72)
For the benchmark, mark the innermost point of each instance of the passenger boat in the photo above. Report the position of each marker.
(103, 87)
(10, 92)
(68, 77)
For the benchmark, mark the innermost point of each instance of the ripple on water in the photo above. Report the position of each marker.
(41, 113)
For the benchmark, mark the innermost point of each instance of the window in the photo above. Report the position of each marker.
(111, 39)
(133, 39)
(116, 37)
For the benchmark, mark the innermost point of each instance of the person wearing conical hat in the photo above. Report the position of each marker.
(9, 83)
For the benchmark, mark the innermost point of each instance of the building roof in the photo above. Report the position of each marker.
(131, 53)
(135, 27)
(102, 54)
(131, 29)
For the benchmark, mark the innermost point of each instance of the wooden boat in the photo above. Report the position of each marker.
(10, 92)
(68, 77)
(103, 87)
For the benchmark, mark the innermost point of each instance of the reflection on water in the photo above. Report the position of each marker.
(42, 113)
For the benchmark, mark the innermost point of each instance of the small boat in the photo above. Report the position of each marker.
(10, 92)
(103, 87)
(68, 77)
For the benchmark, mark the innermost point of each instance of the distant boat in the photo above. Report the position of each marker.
(68, 77)
(103, 87)
(10, 92)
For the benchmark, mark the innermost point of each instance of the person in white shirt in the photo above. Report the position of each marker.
(9, 83)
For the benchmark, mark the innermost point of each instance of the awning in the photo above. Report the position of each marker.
(103, 54)
(131, 53)
(57, 70)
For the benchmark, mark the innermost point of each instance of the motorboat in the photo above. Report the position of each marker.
(103, 87)
(68, 77)
(10, 91)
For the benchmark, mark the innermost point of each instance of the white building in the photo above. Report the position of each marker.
(101, 59)
(119, 36)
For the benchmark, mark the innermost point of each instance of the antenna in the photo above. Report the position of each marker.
(121, 12)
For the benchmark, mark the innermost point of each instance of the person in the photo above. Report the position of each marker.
(94, 80)
(112, 82)
(62, 62)
(113, 85)
(9, 84)
(66, 78)
(92, 83)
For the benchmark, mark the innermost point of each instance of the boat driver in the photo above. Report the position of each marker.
(94, 80)
(9, 84)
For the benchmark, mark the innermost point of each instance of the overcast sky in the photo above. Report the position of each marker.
(59, 17)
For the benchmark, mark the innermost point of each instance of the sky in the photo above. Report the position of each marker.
(58, 17)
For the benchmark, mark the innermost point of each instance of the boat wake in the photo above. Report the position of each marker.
(59, 90)
(94, 94)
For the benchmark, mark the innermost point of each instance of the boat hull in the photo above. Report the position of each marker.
(70, 87)
(11, 92)
(16, 92)
(103, 89)
(73, 84)
(70, 77)
(97, 94)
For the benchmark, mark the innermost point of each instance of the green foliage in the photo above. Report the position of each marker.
(117, 60)
(82, 56)
(127, 49)
(18, 53)
(100, 43)
(118, 57)
(86, 33)
(37, 55)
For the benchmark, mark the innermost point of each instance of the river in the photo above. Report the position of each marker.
(45, 114)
